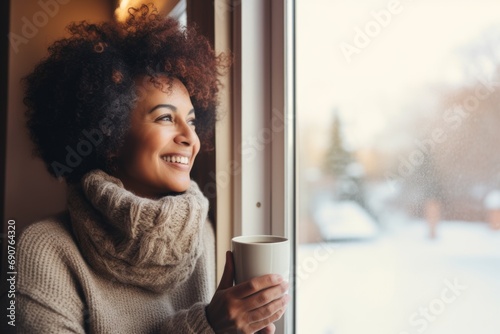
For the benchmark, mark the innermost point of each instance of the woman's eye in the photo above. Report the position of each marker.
(192, 122)
(165, 118)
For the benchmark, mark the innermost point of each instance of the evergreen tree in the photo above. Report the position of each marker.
(337, 157)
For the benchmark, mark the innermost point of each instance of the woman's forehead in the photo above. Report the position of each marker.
(171, 92)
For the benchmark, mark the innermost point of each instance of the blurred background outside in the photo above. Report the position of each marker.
(398, 137)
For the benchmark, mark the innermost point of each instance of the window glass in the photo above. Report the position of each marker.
(398, 118)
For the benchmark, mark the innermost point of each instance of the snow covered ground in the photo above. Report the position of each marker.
(402, 283)
(351, 221)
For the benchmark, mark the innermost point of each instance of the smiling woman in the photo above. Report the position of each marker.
(161, 144)
(109, 69)
(134, 251)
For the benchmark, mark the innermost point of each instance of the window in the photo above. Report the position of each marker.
(179, 12)
(398, 182)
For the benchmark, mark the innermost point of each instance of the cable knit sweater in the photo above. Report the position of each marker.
(118, 263)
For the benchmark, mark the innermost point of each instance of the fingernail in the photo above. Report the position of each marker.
(277, 278)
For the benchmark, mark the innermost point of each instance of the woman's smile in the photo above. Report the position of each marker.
(177, 161)
(162, 128)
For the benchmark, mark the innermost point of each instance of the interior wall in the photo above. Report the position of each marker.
(30, 193)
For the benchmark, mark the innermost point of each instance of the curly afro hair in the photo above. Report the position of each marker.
(80, 97)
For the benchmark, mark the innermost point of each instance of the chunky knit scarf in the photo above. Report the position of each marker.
(152, 244)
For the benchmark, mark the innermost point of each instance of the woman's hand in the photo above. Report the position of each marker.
(248, 307)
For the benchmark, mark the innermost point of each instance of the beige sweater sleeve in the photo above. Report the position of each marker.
(190, 321)
(47, 294)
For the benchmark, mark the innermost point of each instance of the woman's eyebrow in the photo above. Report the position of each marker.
(168, 106)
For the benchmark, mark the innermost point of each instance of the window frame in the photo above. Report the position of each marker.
(263, 125)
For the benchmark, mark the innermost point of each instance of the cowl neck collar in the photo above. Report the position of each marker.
(152, 244)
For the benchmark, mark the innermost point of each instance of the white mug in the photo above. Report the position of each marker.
(257, 255)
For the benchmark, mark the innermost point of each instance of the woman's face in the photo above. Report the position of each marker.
(162, 144)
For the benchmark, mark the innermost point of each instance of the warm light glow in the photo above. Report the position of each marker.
(121, 12)
(163, 6)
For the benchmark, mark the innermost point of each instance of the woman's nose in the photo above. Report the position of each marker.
(185, 135)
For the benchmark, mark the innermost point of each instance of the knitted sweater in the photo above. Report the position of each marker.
(61, 290)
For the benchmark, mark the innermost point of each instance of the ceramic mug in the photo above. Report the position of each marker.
(257, 255)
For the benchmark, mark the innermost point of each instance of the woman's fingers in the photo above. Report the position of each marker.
(267, 310)
(266, 296)
(270, 329)
(259, 325)
(250, 306)
(256, 284)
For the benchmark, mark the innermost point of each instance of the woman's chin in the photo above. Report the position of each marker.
(178, 188)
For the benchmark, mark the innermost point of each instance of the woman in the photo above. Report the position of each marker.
(119, 111)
